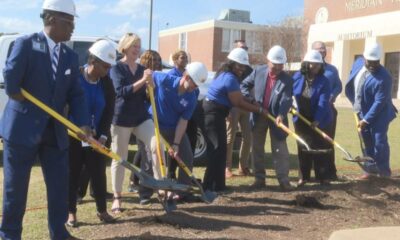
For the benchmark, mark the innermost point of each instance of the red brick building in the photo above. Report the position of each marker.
(211, 41)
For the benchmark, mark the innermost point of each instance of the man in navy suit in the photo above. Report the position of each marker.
(272, 90)
(48, 69)
(369, 89)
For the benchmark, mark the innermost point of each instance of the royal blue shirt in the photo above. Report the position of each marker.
(95, 101)
(331, 73)
(220, 87)
(171, 106)
(175, 72)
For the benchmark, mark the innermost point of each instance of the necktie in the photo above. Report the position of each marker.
(54, 60)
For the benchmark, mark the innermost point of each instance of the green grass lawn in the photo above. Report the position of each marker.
(35, 221)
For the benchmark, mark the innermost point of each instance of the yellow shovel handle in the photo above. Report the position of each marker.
(288, 131)
(180, 162)
(150, 89)
(73, 130)
(53, 113)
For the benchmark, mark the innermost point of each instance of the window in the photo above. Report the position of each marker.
(183, 41)
(228, 37)
(254, 41)
(392, 62)
(81, 48)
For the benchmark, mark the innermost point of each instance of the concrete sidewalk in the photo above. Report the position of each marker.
(342, 101)
(373, 233)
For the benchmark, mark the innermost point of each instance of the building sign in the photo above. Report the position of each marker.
(355, 35)
(353, 5)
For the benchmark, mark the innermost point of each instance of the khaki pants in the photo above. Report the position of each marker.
(120, 141)
(236, 116)
(280, 152)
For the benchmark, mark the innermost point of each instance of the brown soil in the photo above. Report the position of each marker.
(312, 212)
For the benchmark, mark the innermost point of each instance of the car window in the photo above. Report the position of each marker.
(81, 48)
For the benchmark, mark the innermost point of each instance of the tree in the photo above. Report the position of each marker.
(289, 34)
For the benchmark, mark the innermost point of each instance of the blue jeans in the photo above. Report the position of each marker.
(377, 147)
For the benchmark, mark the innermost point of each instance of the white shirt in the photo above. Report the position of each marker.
(358, 77)
(51, 44)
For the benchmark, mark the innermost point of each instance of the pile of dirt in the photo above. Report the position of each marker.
(312, 212)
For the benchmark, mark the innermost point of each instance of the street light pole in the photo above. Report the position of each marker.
(151, 22)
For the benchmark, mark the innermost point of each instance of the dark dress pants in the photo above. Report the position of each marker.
(215, 133)
(308, 160)
(331, 131)
(17, 164)
(95, 164)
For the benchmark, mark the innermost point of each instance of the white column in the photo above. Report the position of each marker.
(341, 59)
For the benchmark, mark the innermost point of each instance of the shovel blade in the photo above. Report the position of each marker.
(148, 181)
(358, 159)
(206, 196)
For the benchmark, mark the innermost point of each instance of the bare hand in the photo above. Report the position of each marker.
(279, 120)
(173, 151)
(265, 112)
(102, 140)
(148, 77)
(362, 124)
(87, 133)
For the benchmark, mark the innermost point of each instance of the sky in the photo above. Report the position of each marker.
(113, 18)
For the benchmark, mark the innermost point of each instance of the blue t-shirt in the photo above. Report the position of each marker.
(170, 105)
(220, 87)
(95, 101)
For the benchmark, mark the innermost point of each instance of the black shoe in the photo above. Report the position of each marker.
(106, 218)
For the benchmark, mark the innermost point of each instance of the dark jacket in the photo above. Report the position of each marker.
(29, 67)
(130, 109)
(376, 100)
(281, 95)
(321, 91)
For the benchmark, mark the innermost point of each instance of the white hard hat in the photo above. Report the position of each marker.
(239, 55)
(64, 6)
(104, 50)
(198, 72)
(313, 56)
(277, 55)
(373, 52)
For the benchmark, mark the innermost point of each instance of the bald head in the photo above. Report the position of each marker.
(320, 47)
